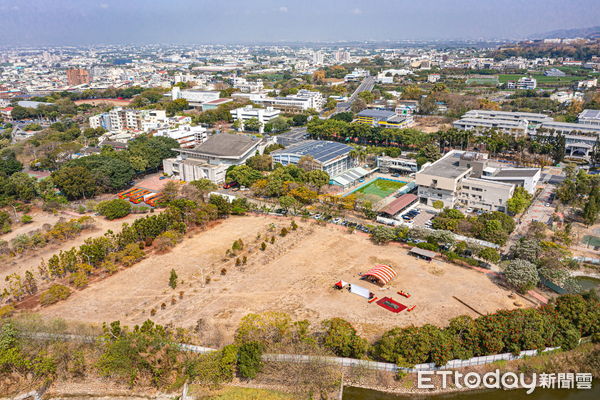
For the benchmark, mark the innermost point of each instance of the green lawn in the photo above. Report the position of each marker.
(378, 189)
(542, 79)
(493, 80)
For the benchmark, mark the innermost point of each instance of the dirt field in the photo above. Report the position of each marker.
(110, 102)
(295, 275)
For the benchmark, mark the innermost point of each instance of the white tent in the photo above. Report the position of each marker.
(361, 291)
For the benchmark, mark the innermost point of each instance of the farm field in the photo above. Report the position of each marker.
(294, 275)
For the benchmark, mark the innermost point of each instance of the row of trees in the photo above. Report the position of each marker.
(561, 323)
(492, 226)
(582, 191)
(149, 354)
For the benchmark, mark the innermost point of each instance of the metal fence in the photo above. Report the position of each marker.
(340, 361)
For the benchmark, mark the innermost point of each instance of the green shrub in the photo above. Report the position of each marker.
(113, 209)
(26, 219)
(54, 294)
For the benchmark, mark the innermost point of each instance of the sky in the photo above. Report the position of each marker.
(86, 22)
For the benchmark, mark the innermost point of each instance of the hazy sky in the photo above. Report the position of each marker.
(57, 22)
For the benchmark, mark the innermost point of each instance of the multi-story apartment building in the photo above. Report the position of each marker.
(186, 135)
(78, 76)
(248, 86)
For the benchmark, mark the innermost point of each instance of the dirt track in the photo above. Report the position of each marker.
(295, 275)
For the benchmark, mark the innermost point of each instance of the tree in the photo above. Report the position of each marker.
(252, 125)
(522, 275)
(341, 338)
(9, 163)
(489, 254)
(75, 182)
(54, 294)
(113, 209)
(204, 186)
(249, 361)
(260, 162)
(438, 204)
(23, 185)
(519, 201)
(243, 175)
(176, 106)
(382, 234)
(173, 279)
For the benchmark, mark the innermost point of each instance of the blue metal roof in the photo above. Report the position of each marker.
(320, 150)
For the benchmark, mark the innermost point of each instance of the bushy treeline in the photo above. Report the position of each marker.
(559, 324)
(112, 170)
(150, 354)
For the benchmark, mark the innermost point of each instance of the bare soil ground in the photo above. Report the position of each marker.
(295, 275)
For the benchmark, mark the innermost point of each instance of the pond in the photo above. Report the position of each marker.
(588, 283)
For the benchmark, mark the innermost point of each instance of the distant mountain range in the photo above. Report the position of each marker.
(591, 32)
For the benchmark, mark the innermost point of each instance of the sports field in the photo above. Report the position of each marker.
(543, 80)
(493, 80)
(377, 189)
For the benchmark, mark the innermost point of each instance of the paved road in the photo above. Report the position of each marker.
(538, 211)
(367, 84)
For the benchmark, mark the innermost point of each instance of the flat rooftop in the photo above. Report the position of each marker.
(446, 167)
(515, 173)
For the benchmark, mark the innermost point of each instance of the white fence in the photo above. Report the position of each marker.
(340, 361)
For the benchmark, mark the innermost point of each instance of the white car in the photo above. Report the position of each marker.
(469, 210)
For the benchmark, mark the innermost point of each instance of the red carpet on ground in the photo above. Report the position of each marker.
(391, 305)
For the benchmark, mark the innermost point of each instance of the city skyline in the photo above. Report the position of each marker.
(69, 22)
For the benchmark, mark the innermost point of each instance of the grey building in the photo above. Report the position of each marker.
(211, 159)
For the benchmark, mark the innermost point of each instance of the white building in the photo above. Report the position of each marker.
(263, 115)
(246, 86)
(318, 58)
(186, 135)
(294, 103)
(357, 75)
(433, 78)
(469, 179)
(194, 97)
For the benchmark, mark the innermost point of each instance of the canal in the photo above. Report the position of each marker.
(352, 393)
